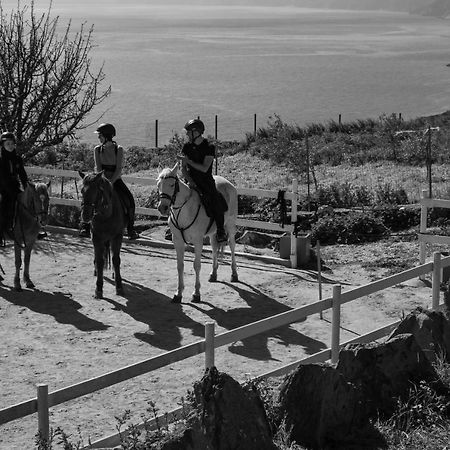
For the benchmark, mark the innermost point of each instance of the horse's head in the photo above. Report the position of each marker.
(97, 196)
(37, 200)
(168, 187)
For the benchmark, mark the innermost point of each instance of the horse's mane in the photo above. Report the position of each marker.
(164, 173)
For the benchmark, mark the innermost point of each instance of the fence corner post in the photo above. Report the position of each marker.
(335, 323)
(423, 229)
(42, 409)
(436, 286)
(209, 345)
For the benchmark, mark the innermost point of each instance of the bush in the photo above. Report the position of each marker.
(352, 228)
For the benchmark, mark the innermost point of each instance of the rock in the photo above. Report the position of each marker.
(431, 330)
(226, 416)
(256, 239)
(320, 407)
(385, 371)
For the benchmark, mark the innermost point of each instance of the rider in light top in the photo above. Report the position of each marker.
(108, 157)
(196, 162)
(13, 180)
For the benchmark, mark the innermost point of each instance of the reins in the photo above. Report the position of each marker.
(172, 198)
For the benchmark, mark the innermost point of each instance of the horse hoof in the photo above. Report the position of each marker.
(212, 278)
(18, 288)
(196, 298)
(234, 278)
(98, 294)
(176, 298)
(119, 291)
(29, 285)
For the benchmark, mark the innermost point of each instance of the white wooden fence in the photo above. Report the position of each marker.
(44, 400)
(291, 196)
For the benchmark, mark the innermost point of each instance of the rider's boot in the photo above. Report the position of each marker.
(85, 230)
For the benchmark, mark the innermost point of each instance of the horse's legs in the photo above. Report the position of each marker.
(179, 247)
(232, 244)
(116, 244)
(198, 246)
(26, 266)
(215, 261)
(99, 249)
(18, 264)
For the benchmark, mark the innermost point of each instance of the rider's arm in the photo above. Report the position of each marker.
(97, 160)
(119, 164)
(202, 167)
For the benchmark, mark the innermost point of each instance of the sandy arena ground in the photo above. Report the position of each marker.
(60, 335)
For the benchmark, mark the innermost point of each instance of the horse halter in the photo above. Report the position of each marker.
(97, 207)
(176, 189)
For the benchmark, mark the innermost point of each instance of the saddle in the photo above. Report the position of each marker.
(207, 202)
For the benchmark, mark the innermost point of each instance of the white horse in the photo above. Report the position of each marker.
(189, 224)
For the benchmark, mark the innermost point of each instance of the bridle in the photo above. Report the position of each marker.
(98, 207)
(172, 198)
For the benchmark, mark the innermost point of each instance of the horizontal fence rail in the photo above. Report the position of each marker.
(211, 341)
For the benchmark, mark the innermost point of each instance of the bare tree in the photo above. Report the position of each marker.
(47, 84)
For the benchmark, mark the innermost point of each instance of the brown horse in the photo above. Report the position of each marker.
(189, 223)
(31, 214)
(101, 207)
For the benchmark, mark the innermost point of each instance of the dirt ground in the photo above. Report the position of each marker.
(60, 335)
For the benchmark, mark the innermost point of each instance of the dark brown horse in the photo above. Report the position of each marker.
(101, 207)
(31, 214)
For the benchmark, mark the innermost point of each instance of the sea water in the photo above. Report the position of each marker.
(171, 63)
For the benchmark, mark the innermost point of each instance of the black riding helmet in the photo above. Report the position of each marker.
(7, 135)
(195, 124)
(107, 130)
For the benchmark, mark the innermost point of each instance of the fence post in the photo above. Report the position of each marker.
(42, 407)
(293, 221)
(436, 286)
(335, 323)
(319, 273)
(423, 229)
(254, 125)
(209, 345)
(156, 133)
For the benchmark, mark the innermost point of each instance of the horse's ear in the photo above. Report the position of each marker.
(82, 175)
(99, 175)
(49, 184)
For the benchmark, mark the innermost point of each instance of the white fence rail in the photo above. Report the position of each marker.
(291, 196)
(45, 400)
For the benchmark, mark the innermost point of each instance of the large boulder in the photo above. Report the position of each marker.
(320, 408)
(431, 330)
(385, 371)
(226, 416)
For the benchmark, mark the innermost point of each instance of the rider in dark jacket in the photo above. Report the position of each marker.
(13, 180)
(197, 161)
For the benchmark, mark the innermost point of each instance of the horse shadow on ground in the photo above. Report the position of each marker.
(260, 306)
(61, 306)
(163, 318)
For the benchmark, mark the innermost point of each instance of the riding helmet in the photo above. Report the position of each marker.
(7, 135)
(107, 130)
(195, 124)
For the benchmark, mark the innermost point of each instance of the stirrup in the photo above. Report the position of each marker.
(221, 237)
(41, 235)
(132, 235)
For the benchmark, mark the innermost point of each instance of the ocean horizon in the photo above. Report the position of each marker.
(171, 63)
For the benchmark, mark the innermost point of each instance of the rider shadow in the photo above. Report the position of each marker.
(57, 304)
(260, 307)
(164, 320)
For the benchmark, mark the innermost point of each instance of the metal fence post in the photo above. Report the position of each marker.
(294, 255)
(209, 345)
(42, 407)
(436, 286)
(335, 323)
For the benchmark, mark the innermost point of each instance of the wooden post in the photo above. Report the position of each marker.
(209, 345)
(62, 183)
(423, 229)
(293, 220)
(254, 125)
(340, 122)
(319, 274)
(42, 407)
(436, 286)
(430, 194)
(215, 127)
(335, 323)
(156, 133)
